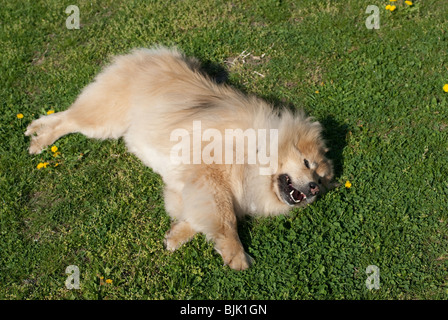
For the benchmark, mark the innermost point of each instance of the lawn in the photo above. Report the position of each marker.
(378, 92)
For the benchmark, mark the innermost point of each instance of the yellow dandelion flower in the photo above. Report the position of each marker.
(109, 281)
(445, 87)
(50, 111)
(409, 3)
(54, 149)
(56, 164)
(348, 185)
(101, 278)
(392, 0)
(388, 7)
(19, 116)
(317, 91)
(42, 165)
(392, 8)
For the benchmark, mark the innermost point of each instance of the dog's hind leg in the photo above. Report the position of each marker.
(96, 113)
(47, 129)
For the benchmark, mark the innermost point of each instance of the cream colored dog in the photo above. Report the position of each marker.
(147, 95)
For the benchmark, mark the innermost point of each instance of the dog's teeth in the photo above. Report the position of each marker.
(292, 197)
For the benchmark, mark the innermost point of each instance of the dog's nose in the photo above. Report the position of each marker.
(314, 188)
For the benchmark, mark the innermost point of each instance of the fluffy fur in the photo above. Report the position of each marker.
(145, 95)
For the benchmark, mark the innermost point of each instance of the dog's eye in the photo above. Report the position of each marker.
(307, 164)
(319, 181)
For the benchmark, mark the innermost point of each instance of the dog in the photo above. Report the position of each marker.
(153, 98)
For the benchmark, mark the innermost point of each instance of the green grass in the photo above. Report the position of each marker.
(380, 99)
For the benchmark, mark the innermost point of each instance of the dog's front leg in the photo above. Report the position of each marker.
(208, 208)
(228, 244)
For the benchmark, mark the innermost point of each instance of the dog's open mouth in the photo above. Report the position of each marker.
(296, 195)
(290, 194)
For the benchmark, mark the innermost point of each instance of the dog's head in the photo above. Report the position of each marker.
(303, 170)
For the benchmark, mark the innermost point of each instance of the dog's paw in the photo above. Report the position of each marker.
(39, 138)
(170, 243)
(179, 234)
(35, 146)
(239, 261)
(32, 128)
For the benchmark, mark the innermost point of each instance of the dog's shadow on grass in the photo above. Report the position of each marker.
(215, 71)
(334, 134)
